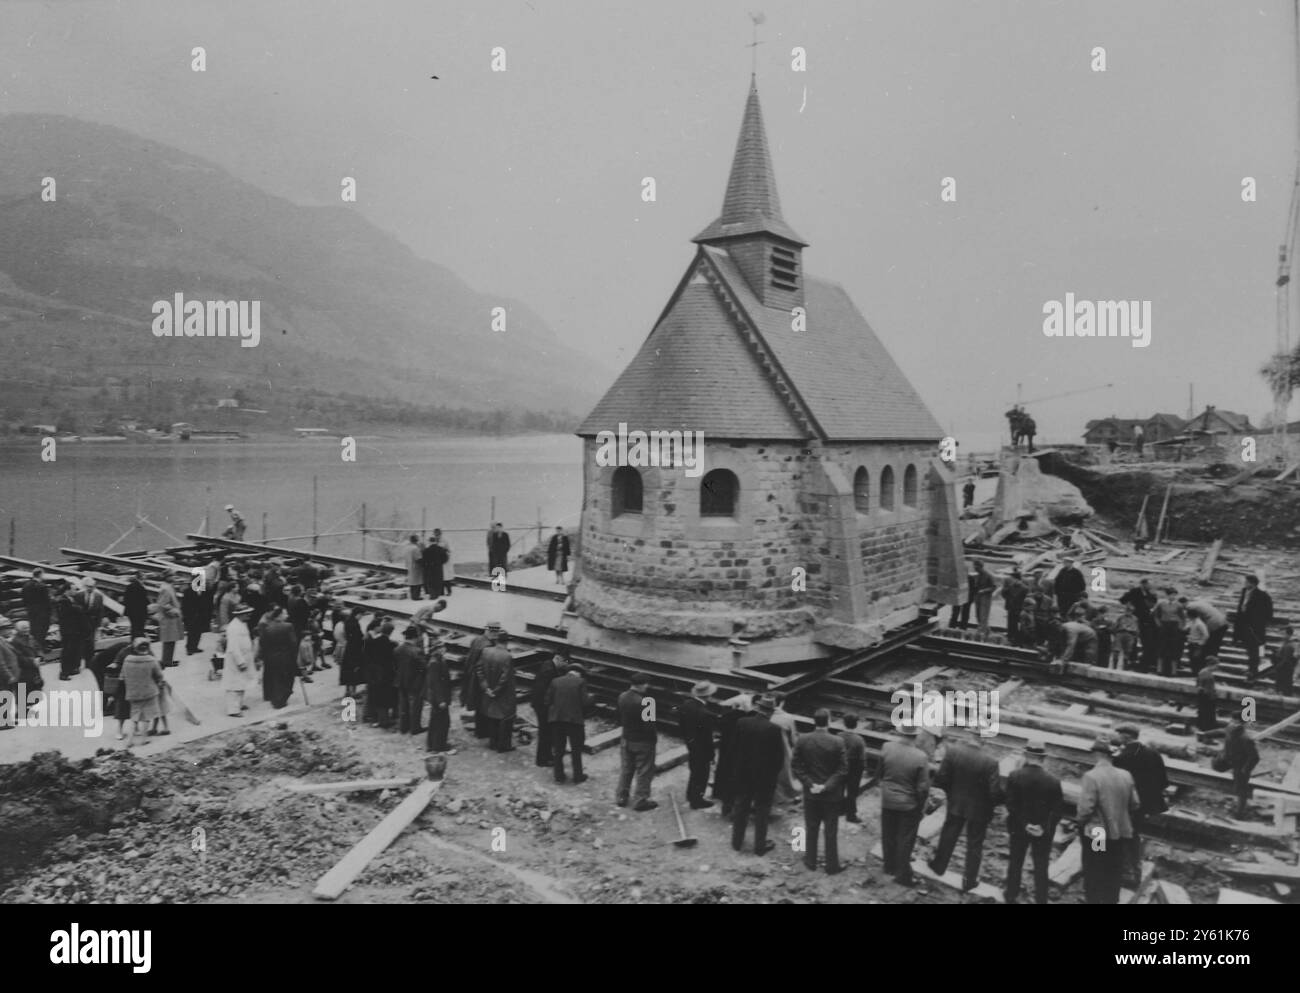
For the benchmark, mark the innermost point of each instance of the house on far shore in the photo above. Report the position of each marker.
(1108, 429)
(228, 402)
(1219, 422)
(1163, 427)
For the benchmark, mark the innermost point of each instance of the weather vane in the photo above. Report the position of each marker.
(758, 18)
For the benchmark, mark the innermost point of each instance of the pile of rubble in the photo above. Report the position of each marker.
(119, 829)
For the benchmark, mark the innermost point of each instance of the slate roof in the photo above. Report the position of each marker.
(721, 362)
(696, 371)
(752, 203)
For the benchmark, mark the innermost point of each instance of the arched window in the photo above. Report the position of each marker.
(719, 491)
(626, 496)
(887, 488)
(909, 487)
(862, 490)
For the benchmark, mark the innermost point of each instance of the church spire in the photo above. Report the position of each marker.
(752, 204)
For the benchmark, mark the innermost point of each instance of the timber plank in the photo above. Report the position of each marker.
(333, 883)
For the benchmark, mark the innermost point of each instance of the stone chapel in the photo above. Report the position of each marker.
(821, 516)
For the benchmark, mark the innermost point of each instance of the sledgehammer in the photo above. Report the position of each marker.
(685, 841)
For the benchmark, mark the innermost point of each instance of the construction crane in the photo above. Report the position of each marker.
(1281, 384)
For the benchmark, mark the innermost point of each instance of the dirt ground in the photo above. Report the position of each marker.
(212, 822)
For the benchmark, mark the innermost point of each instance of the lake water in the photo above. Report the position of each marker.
(91, 494)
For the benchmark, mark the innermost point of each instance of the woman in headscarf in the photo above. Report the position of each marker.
(142, 677)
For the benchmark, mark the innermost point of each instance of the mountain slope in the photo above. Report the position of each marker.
(345, 307)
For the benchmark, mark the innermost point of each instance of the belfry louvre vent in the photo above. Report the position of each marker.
(785, 269)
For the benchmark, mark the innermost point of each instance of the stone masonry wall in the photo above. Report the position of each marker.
(668, 571)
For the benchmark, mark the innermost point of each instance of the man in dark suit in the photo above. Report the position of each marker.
(298, 611)
(498, 545)
(567, 702)
(1034, 806)
(471, 691)
(1107, 802)
(1254, 611)
(759, 758)
(437, 690)
(497, 686)
(970, 778)
(820, 763)
(39, 605)
(904, 788)
(91, 602)
(411, 665)
(696, 726)
(1069, 586)
(1147, 768)
(855, 750)
(135, 605)
(546, 672)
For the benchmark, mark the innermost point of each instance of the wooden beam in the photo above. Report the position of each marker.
(356, 786)
(1155, 539)
(1144, 878)
(1207, 571)
(338, 879)
(1253, 870)
(1280, 725)
(1170, 893)
(1227, 895)
(1068, 865)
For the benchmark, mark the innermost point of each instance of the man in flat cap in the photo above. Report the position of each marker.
(696, 725)
(1107, 802)
(1147, 767)
(1034, 806)
(437, 690)
(820, 763)
(567, 704)
(969, 776)
(904, 788)
(759, 758)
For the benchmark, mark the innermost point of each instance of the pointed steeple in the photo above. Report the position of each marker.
(752, 204)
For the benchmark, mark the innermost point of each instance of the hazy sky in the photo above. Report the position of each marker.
(1117, 184)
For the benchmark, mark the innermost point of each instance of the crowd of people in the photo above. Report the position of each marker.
(1156, 633)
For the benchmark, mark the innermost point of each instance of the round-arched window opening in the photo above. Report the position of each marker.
(719, 492)
(862, 490)
(625, 492)
(887, 488)
(909, 486)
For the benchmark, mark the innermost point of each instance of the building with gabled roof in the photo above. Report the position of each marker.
(821, 515)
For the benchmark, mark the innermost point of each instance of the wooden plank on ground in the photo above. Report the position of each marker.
(1285, 820)
(1279, 726)
(1164, 508)
(1268, 872)
(671, 759)
(1170, 893)
(1207, 571)
(1144, 880)
(338, 879)
(1004, 690)
(355, 786)
(1237, 896)
(1066, 867)
(599, 742)
(951, 878)
(932, 823)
